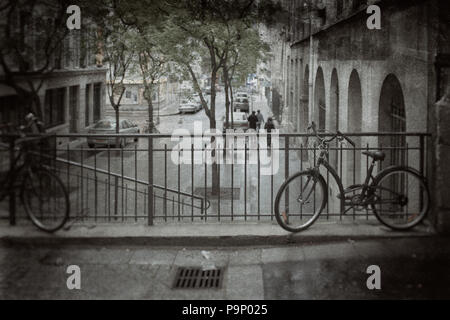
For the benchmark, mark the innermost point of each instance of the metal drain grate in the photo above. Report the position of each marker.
(196, 278)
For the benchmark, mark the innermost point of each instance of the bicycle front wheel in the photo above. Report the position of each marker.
(45, 199)
(401, 198)
(300, 201)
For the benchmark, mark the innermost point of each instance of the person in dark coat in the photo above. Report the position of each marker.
(269, 127)
(252, 121)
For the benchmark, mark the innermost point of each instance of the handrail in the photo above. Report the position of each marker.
(76, 164)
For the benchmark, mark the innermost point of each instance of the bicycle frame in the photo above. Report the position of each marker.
(364, 187)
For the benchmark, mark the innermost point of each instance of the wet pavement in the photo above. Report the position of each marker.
(410, 268)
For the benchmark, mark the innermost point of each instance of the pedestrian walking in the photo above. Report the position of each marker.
(260, 119)
(252, 121)
(269, 127)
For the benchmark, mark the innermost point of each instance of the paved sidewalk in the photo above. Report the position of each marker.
(413, 268)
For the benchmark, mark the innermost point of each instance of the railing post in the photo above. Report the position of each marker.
(12, 193)
(422, 155)
(150, 180)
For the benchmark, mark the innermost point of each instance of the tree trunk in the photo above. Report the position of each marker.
(231, 99)
(227, 98)
(151, 125)
(212, 124)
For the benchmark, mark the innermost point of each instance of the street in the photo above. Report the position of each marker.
(320, 270)
(252, 195)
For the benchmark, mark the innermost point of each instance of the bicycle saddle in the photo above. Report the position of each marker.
(376, 155)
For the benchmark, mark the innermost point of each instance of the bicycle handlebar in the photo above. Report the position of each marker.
(339, 135)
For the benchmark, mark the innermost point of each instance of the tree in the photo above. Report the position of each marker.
(151, 63)
(119, 53)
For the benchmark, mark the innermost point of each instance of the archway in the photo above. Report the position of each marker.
(354, 126)
(392, 118)
(319, 98)
(334, 102)
(304, 110)
(334, 113)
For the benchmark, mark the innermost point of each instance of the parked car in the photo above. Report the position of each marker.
(108, 126)
(239, 121)
(241, 104)
(241, 95)
(189, 106)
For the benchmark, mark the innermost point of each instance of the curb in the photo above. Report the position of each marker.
(197, 241)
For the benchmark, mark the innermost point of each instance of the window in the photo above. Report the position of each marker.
(74, 93)
(339, 7)
(87, 105)
(54, 107)
(10, 112)
(97, 101)
(128, 94)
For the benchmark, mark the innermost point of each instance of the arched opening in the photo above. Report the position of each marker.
(319, 98)
(354, 121)
(304, 110)
(334, 102)
(334, 113)
(392, 118)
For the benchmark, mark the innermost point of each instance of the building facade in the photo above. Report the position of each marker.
(331, 68)
(71, 90)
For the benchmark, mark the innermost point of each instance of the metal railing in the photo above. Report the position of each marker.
(142, 183)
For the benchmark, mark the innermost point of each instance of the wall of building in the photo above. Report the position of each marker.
(359, 74)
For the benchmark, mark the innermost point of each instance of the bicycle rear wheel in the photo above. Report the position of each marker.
(300, 201)
(45, 199)
(402, 198)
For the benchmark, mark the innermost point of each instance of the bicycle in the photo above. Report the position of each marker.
(398, 195)
(42, 193)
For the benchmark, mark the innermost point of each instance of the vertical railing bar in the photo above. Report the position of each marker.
(354, 176)
(126, 200)
(286, 174)
(95, 184)
(165, 182)
(109, 185)
(367, 169)
(151, 208)
(421, 166)
(173, 208)
(122, 184)
(271, 183)
(314, 184)
(328, 189)
(218, 183)
(106, 198)
(179, 179)
(82, 182)
(68, 167)
(87, 195)
(206, 181)
(135, 184)
(259, 179)
(301, 180)
(192, 182)
(232, 182)
(12, 193)
(407, 183)
(245, 181)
